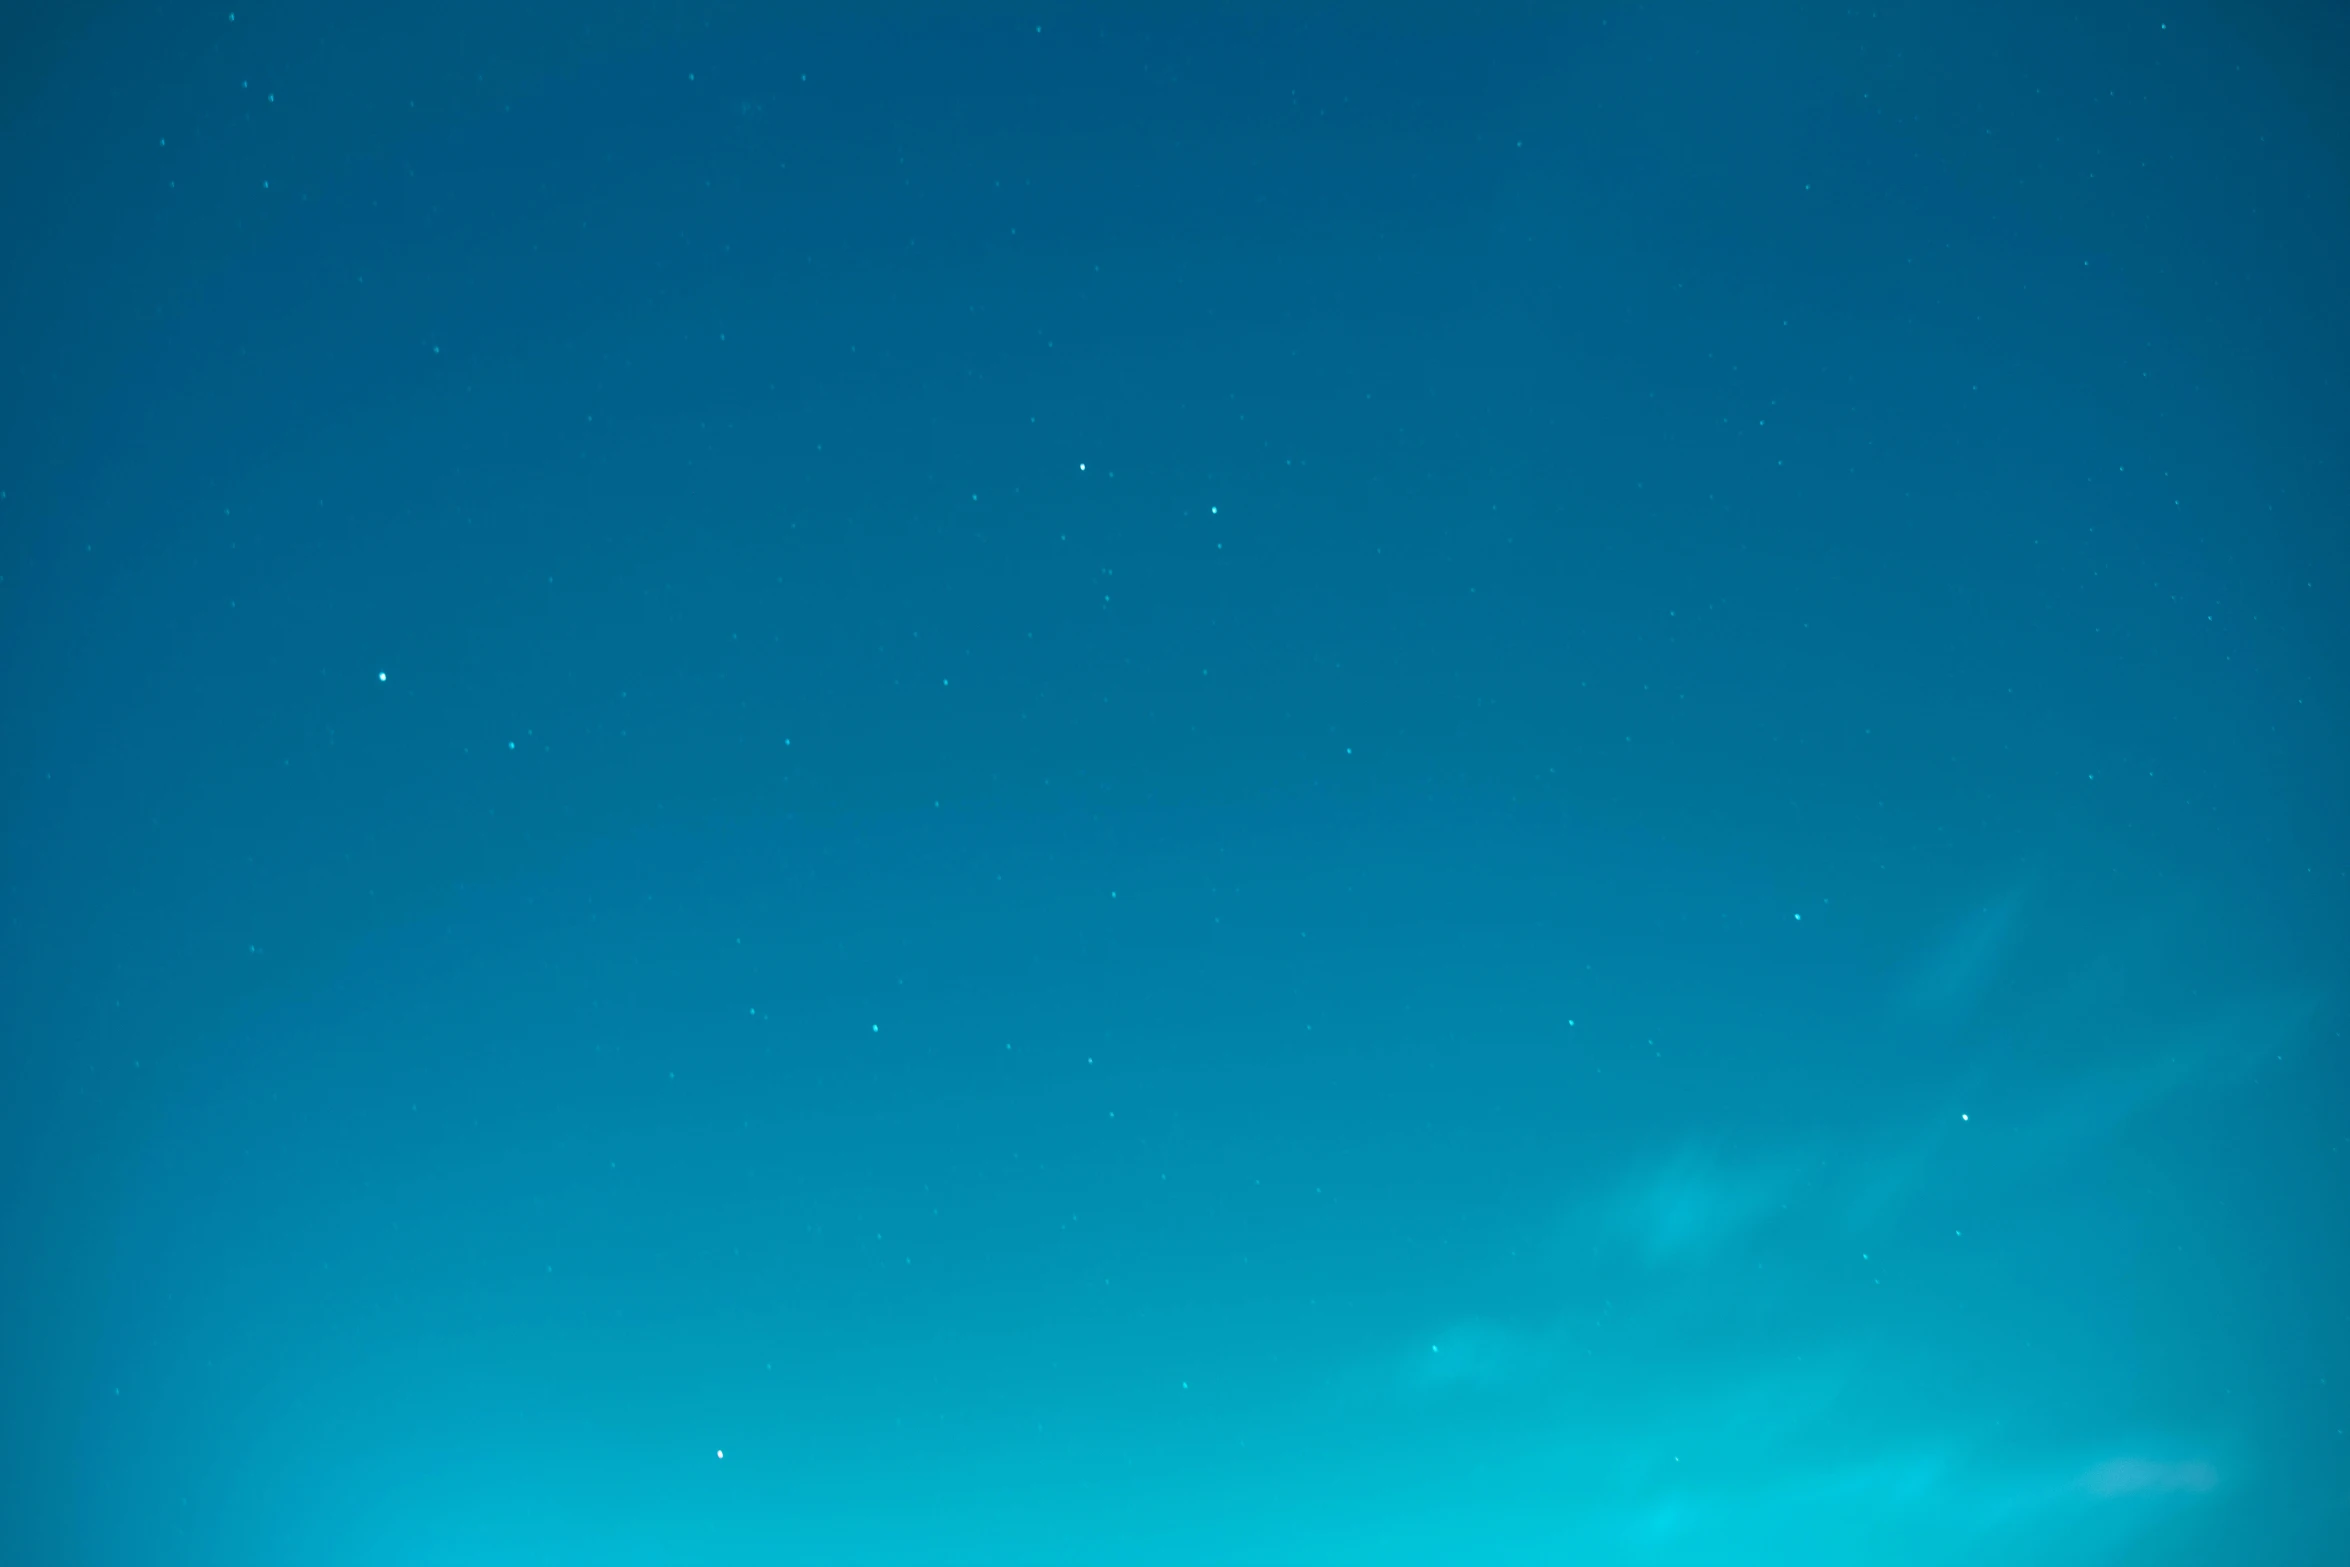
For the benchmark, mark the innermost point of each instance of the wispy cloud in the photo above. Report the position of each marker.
(1693, 1205)
(1475, 1353)
(1711, 1365)
(2145, 1476)
(1948, 980)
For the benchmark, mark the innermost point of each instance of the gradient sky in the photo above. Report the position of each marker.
(1167, 784)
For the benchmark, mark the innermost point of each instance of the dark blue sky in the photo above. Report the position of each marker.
(1173, 784)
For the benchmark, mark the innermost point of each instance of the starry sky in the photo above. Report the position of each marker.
(1174, 784)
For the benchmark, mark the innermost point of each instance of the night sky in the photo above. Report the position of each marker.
(1174, 784)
